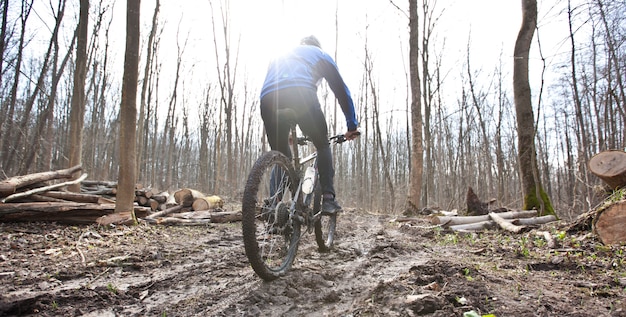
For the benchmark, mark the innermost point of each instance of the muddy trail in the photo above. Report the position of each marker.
(379, 267)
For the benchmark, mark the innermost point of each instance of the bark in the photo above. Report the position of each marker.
(77, 113)
(44, 189)
(10, 185)
(78, 197)
(534, 196)
(66, 212)
(417, 150)
(128, 111)
(475, 206)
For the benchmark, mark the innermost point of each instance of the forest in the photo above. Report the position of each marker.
(198, 122)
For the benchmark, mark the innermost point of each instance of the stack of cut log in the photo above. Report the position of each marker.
(33, 198)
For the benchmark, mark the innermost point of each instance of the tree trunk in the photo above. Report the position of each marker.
(77, 113)
(534, 196)
(128, 112)
(417, 159)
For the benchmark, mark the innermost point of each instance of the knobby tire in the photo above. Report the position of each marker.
(325, 226)
(270, 236)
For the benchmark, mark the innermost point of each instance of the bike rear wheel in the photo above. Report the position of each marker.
(270, 234)
(326, 224)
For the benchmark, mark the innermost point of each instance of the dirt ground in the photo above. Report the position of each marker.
(379, 267)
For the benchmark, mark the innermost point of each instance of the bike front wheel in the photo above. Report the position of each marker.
(324, 226)
(270, 233)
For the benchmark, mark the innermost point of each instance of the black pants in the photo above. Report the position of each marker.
(310, 119)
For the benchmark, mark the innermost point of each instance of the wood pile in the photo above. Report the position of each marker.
(41, 197)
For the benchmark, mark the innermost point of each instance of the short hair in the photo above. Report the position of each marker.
(311, 40)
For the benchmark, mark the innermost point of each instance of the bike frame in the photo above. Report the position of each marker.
(298, 165)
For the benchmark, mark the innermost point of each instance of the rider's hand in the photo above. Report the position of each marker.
(351, 135)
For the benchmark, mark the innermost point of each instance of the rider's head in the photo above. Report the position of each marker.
(311, 40)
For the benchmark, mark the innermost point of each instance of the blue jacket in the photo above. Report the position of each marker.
(305, 66)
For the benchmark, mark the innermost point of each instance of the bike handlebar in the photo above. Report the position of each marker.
(337, 139)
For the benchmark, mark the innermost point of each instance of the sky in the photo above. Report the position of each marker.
(271, 26)
(263, 29)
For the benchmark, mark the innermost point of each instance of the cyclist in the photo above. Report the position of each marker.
(291, 82)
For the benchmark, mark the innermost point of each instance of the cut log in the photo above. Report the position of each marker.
(206, 203)
(161, 197)
(610, 222)
(450, 221)
(10, 185)
(187, 196)
(68, 212)
(610, 166)
(179, 221)
(225, 216)
(44, 189)
(78, 197)
(111, 184)
(166, 212)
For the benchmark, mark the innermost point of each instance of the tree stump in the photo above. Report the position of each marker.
(610, 166)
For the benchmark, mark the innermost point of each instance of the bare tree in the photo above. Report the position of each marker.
(77, 113)
(534, 196)
(144, 86)
(8, 117)
(128, 111)
(376, 117)
(3, 36)
(417, 149)
(226, 75)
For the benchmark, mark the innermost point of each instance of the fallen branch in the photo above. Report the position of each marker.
(489, 224)
(451, 221)
(178, 221)
(505, 224)
(165, 212)
(43, 189)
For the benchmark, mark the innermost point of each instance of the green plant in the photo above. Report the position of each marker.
(523, 243)
(466, 273)
(55, 305)
(112, 288)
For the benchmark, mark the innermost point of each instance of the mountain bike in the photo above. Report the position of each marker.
(282, 197)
